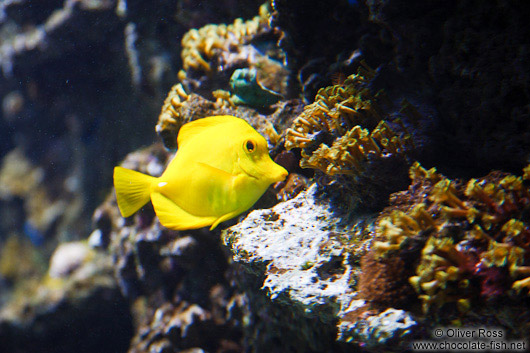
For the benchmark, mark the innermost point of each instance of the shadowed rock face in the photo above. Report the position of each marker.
(99, 322)
(468, 56)
(78, 307)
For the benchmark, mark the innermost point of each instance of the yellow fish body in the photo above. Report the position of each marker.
(221, 168)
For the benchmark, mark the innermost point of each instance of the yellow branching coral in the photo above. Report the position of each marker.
(170, 119)
(444, 192)
(440, 277)
(347, 153)
(476, 234)
(499, 198)
(418, 173)
(502, 254)
(340, 111)
(199, 46)
(398, 226)
(394, 228)
(506, 254)
(451, 205)
(526, 172)
(336, 109)
(223, 98)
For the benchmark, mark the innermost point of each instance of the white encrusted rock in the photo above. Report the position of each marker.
(299, 246)
(392, 327)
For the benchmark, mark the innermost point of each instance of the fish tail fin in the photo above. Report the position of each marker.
(133, 189)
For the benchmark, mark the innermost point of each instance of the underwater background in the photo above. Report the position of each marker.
(405, 128)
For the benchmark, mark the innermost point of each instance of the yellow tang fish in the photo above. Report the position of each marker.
(221, 168)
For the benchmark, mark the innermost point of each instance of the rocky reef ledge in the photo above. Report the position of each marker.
(310, 261)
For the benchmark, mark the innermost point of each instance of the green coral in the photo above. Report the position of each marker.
(247, 90)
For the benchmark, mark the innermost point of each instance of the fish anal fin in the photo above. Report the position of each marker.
(223, 218)
(173, 217)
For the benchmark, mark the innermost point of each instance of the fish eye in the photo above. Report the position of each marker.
(250, 146)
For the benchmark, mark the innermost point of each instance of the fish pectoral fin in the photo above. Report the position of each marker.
(173, 217)
(217, 173)
(223, 218)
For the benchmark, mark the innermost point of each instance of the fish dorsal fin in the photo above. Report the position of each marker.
(197, 126)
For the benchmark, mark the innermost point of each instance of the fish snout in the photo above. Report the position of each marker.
(281, 174)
